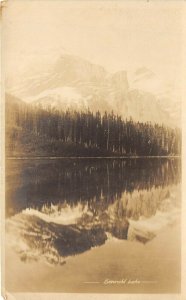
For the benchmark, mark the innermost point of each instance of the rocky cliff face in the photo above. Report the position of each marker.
(75, 83)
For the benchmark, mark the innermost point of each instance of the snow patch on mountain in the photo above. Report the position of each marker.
(64, 97)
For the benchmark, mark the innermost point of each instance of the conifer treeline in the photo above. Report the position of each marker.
(107, 132)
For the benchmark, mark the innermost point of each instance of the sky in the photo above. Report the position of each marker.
(115, 34)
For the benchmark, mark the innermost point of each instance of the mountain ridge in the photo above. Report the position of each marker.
(75, 83)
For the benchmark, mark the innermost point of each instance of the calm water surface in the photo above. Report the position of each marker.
(59, 208)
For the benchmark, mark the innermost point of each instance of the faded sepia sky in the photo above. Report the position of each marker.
(115, 34)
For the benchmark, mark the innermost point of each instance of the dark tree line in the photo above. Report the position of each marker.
(107, 132)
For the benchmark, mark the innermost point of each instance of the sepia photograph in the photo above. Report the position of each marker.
(93, 145)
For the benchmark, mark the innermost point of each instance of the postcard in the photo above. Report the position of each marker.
(92, 160)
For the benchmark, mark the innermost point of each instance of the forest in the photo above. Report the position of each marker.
(81, 133)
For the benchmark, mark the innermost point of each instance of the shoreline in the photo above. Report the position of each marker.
(88, 157)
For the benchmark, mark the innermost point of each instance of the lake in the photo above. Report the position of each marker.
(59, 211)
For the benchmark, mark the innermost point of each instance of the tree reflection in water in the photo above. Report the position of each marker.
(96, 198)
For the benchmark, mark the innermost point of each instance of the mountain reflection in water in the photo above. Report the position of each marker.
(60, 208)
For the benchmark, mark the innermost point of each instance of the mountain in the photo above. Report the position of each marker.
(75, 83)
(66, 71)
(167, 95)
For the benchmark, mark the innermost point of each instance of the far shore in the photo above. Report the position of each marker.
(88, 157)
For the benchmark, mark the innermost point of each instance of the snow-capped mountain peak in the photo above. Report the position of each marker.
(73, 82)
